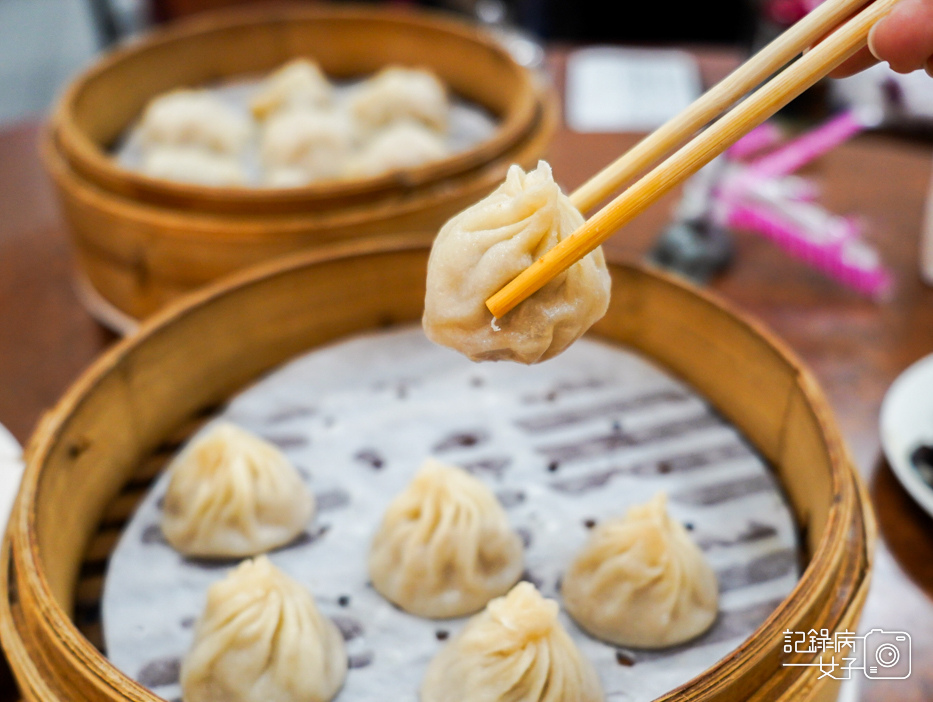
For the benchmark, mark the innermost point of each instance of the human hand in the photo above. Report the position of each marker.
(904, 39)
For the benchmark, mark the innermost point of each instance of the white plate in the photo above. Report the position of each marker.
(11, 471)
(101, 309)
(906, 423)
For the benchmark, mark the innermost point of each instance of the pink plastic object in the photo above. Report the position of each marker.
(761, 196)
(804, 149)
(842, 255)
(762, 137)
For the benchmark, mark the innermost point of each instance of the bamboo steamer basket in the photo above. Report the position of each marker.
(138, 256)
(95, 453)
(348, 42)
(141, 241)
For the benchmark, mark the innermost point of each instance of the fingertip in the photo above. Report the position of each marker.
(904, 38)
(872, 33)
(887, 37)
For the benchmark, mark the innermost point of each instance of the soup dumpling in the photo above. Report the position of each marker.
(195, 118)
(397, 93)
(484, 247)
(186, 164)
(233, 494)
(261, 638)
(314, 143)
(445, 546)
(641, 581)
(300, 83)
(404, 144)
(516, 650)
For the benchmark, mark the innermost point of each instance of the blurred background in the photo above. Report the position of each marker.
(44, 42)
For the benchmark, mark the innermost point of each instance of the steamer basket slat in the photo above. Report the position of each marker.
(96, 451)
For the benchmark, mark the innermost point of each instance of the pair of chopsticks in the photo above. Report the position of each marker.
(708, 144)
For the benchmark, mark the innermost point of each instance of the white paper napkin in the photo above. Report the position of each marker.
(11, 472)
(628, 90)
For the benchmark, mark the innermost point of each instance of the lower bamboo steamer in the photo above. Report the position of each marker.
(93, 456)
(138, 256)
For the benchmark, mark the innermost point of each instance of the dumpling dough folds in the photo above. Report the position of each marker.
(514, 651)
(397, 93)
(232, 494)
(484, 247)
(195, 118)
(641, 581)
(261, 638)
(445, 546)
(298, 84)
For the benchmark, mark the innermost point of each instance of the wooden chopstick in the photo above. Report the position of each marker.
(747, 115)
(818, 23)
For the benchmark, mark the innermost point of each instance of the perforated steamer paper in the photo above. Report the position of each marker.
(563, 445)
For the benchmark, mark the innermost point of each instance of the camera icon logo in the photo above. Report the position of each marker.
(887, 654)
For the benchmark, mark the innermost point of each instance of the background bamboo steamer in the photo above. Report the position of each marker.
(142, 241)
(96, 452)
(348, 42)
(139, 256)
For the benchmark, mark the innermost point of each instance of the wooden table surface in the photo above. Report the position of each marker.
(856, 347)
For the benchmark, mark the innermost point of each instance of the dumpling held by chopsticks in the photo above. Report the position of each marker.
(481, 249)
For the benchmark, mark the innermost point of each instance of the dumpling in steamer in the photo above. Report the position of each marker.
(641, 581)
(484, 247)
(195, 118)
(261, 638)
(232, 494)
(314, 143)
(187, 164)
(401, 145)
(397, 93)
(445, 547)
(299, 83)
(514, 651)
